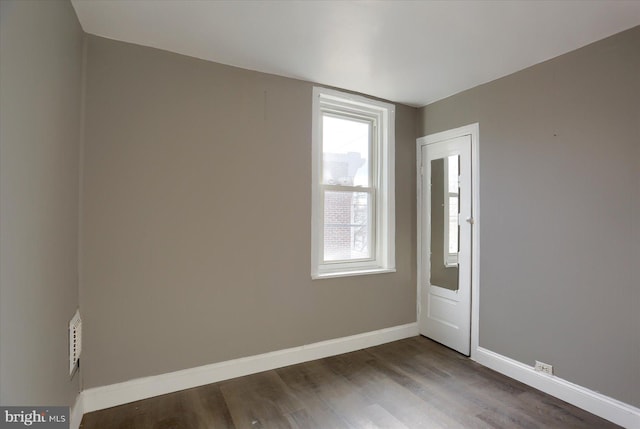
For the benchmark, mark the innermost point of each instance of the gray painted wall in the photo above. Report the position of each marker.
(40, 91)
(196, 224)
(560, 212)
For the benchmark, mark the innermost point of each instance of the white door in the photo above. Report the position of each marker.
(445, 240)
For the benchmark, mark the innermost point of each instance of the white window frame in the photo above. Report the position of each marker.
(382, 191)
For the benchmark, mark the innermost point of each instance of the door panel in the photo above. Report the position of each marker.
(446, 220)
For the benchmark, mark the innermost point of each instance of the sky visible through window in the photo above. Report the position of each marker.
(343, 136)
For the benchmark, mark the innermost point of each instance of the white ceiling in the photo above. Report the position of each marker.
(412, 52)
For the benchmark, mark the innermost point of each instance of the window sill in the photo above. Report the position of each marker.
(363, 272)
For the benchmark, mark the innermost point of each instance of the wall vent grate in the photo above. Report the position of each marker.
(75, 341)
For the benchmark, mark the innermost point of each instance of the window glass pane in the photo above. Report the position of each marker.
(452, 169)
(345, 151)
(453, 224)
(347, 233)
(452, 183)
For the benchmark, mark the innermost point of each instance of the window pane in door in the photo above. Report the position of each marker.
(452, 187)
(345, 151)
(347, 226)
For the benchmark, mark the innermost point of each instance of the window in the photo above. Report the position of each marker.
(353, 206)
(451, 210)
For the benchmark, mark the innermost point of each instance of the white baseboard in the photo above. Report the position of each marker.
(99, 398)
(596, 403)
(76, 413)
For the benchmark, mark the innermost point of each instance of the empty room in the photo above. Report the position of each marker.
(319, 214)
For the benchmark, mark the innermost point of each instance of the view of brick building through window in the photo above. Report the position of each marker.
(346, 213)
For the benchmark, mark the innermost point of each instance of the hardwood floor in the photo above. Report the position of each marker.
(412, 383)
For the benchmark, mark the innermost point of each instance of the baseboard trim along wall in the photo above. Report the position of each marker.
(596, 403)
(99, 398)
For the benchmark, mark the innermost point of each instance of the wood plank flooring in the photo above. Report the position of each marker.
(412, 383)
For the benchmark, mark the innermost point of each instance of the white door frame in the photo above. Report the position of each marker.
(473, 131)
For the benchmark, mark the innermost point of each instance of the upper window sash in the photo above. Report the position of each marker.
(372, 153)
